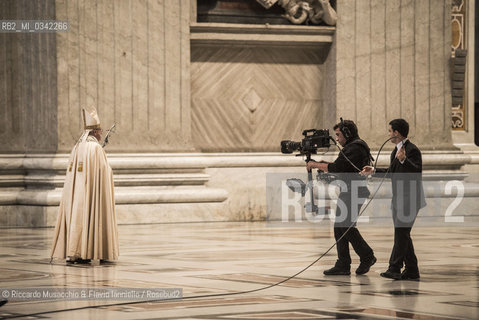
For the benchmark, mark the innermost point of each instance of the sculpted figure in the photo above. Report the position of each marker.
(305, 11)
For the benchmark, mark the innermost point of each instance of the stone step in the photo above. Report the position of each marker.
(123, 195)
(157, 179)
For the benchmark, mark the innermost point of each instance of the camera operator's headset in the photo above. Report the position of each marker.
(345, 130)
(347, 134)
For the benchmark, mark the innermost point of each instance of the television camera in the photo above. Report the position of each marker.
(313, 140)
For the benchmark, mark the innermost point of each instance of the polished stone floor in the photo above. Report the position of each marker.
(222, 258)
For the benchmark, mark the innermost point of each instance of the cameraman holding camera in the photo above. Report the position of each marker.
(355, 151)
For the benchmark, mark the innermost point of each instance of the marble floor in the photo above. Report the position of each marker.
(224, 258)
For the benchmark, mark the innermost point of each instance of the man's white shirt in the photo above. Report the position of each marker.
(399, 146)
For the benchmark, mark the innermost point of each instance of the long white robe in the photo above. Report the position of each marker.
(86, 224)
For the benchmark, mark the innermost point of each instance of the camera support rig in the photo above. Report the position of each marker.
(308, 146)
(310, 207)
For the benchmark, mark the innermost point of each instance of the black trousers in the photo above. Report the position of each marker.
(360, 246)
(343, 222)
(403, 249)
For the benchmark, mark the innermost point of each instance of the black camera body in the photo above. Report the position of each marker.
(314, 139)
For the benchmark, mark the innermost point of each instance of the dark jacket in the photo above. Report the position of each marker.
(358, 152)
(406, 179)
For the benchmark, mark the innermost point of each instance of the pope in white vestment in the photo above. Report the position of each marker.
(86, 225)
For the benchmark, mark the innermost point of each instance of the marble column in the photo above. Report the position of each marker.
(28, 81)
(131, 60)
(393, 61)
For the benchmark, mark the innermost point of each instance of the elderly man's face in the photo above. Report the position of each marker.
(97, 134)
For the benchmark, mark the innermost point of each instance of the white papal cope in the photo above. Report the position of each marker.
(86, 225)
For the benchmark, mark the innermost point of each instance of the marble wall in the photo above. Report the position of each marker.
(28, 81)
(393, 61)
(174, 86)
(131, 60)
(251, 98)
(389, 59)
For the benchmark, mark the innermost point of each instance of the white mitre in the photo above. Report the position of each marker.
(90, 119)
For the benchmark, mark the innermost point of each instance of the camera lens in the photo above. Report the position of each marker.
(288, 146)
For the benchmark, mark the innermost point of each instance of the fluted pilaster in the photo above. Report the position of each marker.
(393, 61)
(130, 59)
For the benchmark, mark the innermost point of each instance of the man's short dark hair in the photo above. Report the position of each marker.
(401, 126)
(351, 127)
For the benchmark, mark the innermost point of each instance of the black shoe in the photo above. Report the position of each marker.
(409, 275)
(391, 275)
(337, 271)
(76, 260)
(104, 261)
(82, 261)
(365, 265)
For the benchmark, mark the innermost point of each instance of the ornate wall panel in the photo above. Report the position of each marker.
(248, 99)
(459, 54)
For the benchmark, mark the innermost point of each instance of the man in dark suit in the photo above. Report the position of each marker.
(405, 172)
(355, 154)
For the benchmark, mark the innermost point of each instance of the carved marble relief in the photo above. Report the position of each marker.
(305, 11)
(311, 12)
